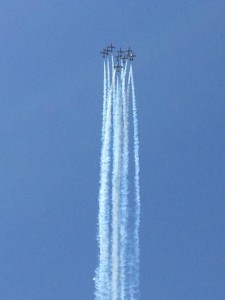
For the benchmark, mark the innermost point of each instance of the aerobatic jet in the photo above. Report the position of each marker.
(120, 52)
(121, 57)
(129, 50)
(130, 54)
(110, 47)
(118, 67)
(104, 52)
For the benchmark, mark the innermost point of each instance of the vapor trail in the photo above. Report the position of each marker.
(108, 78)
(117, 274)
(116, 175)
(102, 278)
(124, 191)
(134, 287)
(105, 90)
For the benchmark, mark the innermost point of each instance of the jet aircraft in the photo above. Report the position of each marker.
(120, 52)
(110, 47)
(130, 54)
(121, 57)
(104, 52)
(129, 50)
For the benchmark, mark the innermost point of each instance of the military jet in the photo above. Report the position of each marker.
(110, 47)
(118, 67)
(130, 54)
(121, 57)
(129, 50)
(104, 52)
(120, 52)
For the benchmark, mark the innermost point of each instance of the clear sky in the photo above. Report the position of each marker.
(50, 125)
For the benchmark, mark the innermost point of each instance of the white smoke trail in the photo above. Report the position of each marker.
(117, 275)
(108, 78)
(106, 91)
(112, 64)
(104, 101)
(116, 175)
(124, 192)
(125, 68)
(102, 278)
(134, 284)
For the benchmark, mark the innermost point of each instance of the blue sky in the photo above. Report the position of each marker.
(50, 125)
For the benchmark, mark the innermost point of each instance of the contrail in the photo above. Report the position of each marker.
(108, 78)
(102, 278)
(116, 177)
(124, 191)
(105, 90)
(134, 284)
(117, 274)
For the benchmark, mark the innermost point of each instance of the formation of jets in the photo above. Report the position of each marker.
(121, 56)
